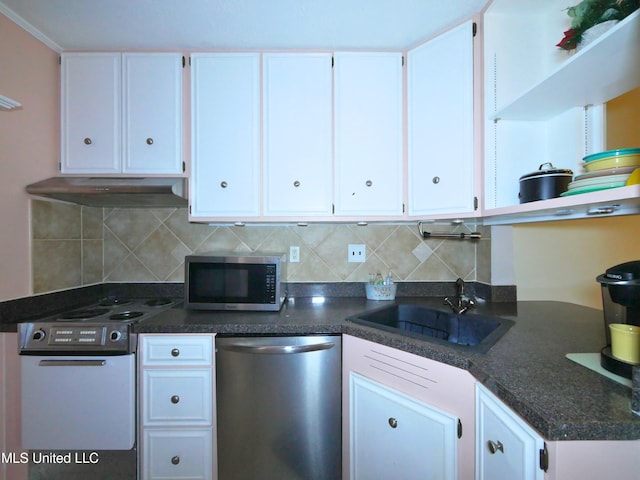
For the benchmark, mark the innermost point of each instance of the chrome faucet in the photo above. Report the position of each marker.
(461, 302)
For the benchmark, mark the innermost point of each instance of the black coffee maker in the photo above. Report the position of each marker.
(621, 304)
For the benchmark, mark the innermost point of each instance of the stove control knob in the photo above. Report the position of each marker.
(38, 335)
(115, 335)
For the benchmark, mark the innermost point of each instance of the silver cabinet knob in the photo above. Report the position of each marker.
(296, 184)
(368, 183)
(175, 460)
(436, 180)
(393, 423)
(495, 447)
(87, 141)
(175, 399)
(149, 141)
(175, 352)
(224, 184)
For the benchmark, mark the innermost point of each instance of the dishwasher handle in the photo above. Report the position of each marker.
(276, 349)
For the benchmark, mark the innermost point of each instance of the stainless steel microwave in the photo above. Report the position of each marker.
(235, 281)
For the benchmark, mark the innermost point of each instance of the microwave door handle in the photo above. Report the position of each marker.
(276, 349)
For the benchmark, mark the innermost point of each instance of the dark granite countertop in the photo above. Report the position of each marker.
(527, 368)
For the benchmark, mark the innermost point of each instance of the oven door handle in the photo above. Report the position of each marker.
(72, 363)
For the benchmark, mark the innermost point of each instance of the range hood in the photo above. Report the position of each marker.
(114, 192)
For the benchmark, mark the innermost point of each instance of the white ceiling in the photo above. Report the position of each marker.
(187, 25)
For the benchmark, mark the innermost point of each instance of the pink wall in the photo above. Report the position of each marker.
(29, 145)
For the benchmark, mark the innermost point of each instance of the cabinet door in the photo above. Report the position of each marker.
(368, 133)
(506, 447)
(177, 454)
(225, 142)
(152, 105)
(90, 113)
(297, 134)
(395, 436)
(440, 124)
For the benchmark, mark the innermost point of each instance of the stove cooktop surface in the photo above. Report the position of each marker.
(101, 328)
(116, 309)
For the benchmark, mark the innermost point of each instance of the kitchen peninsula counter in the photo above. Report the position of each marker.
(527, 368)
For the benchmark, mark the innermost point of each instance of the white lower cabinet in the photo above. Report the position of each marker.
(507, 448)
(404, 416)
(177, 406)
(396, 436)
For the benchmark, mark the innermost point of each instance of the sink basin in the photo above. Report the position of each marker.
(478, 332)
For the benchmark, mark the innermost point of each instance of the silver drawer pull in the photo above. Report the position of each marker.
(175, 352)
(296, 184)
(175, 460)
(149, 141)
(175, 399)
(224, 184)
(87, 141)
(495, 447)
(72, 363)
(368, 183)
(393, 423)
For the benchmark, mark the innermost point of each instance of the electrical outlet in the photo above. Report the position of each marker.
(294, 254)
(356, 253)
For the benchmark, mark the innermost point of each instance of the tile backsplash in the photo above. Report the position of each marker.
(76, 246)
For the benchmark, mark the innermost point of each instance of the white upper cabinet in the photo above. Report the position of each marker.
(91, 119)
(121, 113)
(152, 113)
(225, 124)
(440, 124)
(297, 94)
(368, 134)
(543, 104)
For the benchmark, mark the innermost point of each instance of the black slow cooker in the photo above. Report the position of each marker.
(544, 183)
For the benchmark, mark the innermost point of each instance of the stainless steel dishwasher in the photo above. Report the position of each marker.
(279, 408)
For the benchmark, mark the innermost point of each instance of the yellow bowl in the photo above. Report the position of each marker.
(634, 178)
(625, 342)
(613, 162)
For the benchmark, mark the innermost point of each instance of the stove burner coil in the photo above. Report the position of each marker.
(159, 302)
(114, 301)
(128, 315)
(83, 314)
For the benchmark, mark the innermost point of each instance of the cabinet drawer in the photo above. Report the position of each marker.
(177, 350)
(177, 397)
(177, 454)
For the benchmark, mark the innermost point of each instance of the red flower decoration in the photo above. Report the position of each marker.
(570, 41)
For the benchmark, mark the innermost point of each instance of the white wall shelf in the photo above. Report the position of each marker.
(595, 74)
(623, 200)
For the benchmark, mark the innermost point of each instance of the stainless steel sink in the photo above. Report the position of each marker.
(478, 332)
